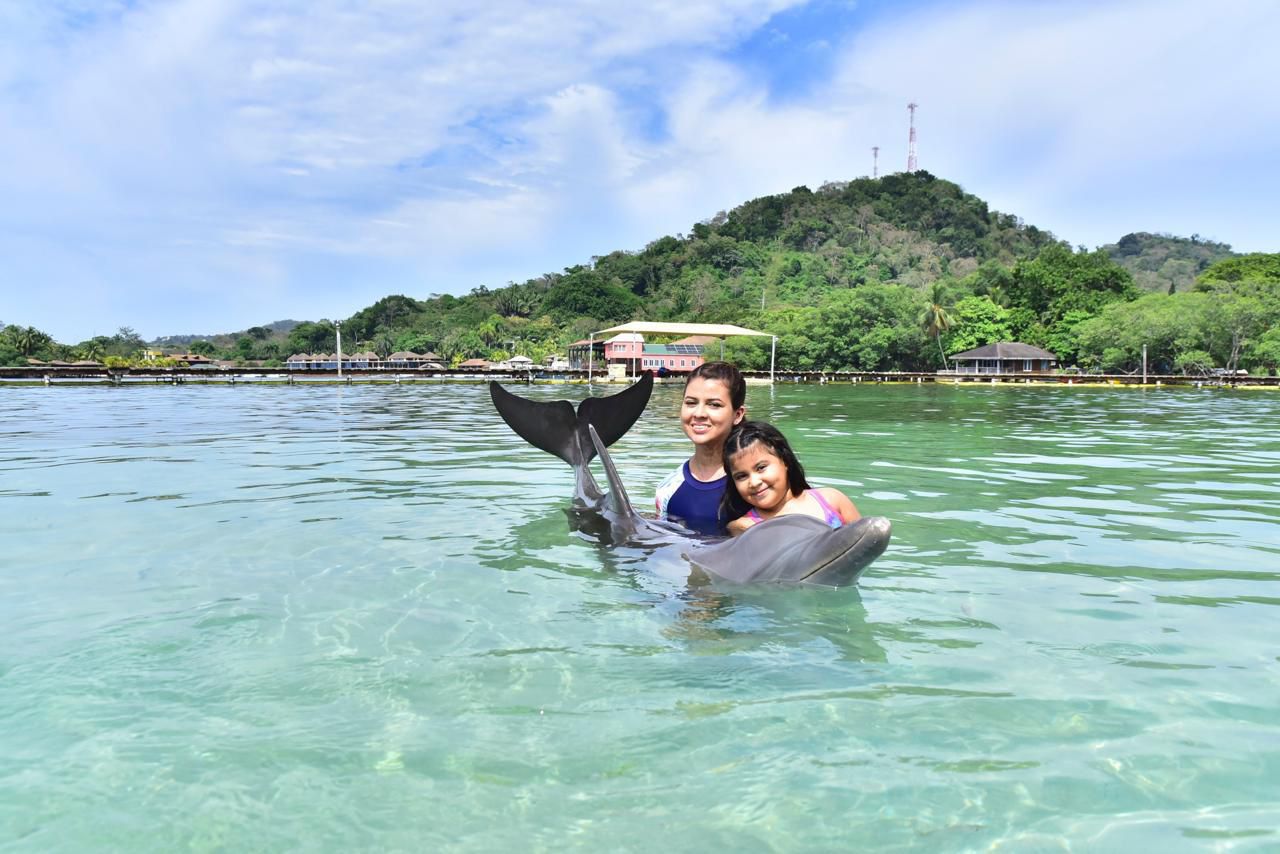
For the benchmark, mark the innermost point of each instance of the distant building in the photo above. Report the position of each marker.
(627, 353)
(678, 357)
(580, 354)
(414, 361)
(1006, 357)
(191, 360)
(475, 365)
(625, 349)
(520, 363)
(329, 361)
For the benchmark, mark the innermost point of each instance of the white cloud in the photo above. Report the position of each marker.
(306, 159)
(1051, 107)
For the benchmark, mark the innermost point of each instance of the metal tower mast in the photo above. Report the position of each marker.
(875, 161)
(911, 138)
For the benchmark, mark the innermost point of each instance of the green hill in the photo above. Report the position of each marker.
(870, 274)
(1162, 262)
(857, 260)
(279, 329)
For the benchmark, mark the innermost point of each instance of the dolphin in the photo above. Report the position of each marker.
(787, 550)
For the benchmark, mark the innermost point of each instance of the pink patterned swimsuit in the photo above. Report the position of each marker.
(829, 514)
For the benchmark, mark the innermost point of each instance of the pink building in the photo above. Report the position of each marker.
(678, 357)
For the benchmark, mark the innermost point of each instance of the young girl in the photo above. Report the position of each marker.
(714, 401)
(769, 481)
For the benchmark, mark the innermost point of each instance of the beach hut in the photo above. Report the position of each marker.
(520, 363)
(1005, 357)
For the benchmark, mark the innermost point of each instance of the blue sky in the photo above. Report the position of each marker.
(199, 166)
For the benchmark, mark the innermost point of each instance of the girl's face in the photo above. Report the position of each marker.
(760, 477)
(707, 414)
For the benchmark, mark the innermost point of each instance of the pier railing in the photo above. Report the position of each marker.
(72, 375)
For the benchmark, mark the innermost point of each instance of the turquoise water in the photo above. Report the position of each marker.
(355, 618)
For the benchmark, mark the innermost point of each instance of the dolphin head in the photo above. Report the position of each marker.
(797, 550)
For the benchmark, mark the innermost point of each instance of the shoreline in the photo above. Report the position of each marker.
(44, 376)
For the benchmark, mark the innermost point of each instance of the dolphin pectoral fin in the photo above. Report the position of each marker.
(613, 416)
(551, 426)
(618, 492)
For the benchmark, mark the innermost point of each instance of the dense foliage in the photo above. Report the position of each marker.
(893, 273)
(1162, 262)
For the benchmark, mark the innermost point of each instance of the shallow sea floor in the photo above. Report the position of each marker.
(355, 618)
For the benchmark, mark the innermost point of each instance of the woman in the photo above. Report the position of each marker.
(714, 401)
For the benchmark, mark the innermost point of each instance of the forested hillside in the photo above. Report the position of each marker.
(882, 274)
(1162, 262)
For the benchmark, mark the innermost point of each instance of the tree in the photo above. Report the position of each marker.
(584, 293)
(1168, 326)
(309, 337)
(28, 340)
(1057, 281)
(92, 350)
(1257, 267)
(1266, 352)
(1235, 316)
(126, 343)
(977, 321)
(1193, 363)
(936, 317)
(462, 344)
(514, 301)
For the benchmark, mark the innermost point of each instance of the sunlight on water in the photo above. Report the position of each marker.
(356, 618)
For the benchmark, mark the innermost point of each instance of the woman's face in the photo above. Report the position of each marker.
(707, 414)
(760, 477)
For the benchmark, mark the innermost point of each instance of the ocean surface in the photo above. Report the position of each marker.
(354, 618)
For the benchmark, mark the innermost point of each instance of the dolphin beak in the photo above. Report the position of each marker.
(853, 548)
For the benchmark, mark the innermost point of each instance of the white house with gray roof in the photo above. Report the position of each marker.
(1005, 357)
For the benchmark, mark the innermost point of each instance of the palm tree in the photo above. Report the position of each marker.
(936, 317)
(30, 339)
(92, 350)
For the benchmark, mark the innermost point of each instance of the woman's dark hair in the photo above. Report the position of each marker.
(725, 373)
(744, 436)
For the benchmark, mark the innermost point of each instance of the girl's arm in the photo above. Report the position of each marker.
(737, 526)
(841, 504)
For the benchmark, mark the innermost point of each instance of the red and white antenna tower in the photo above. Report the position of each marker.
(911, 138)
(875, 161)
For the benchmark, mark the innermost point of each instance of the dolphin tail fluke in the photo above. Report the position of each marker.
(550, 426)
(554, 427)
(613, 416)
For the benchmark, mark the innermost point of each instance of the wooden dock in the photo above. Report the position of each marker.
(49, 376)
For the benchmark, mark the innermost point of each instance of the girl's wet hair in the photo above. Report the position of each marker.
(745, 435)
(725, 373)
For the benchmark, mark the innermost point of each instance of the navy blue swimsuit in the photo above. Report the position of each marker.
(694, 502)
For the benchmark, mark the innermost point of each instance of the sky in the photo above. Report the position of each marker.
(202, 166)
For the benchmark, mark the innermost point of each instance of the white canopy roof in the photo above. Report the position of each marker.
(716, 330)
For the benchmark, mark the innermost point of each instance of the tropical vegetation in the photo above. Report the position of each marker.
(894, 273)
